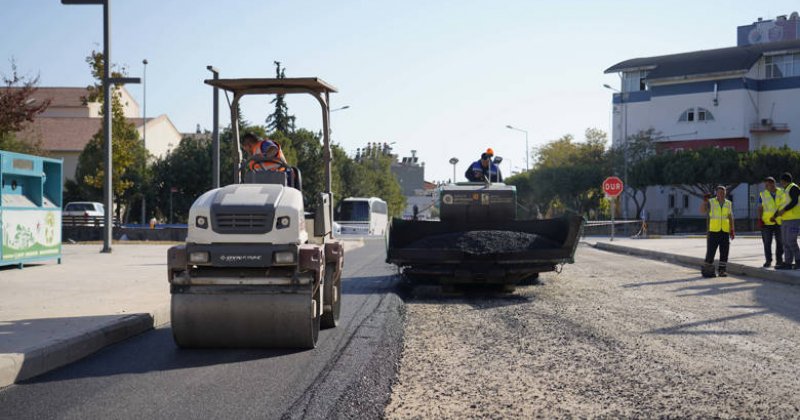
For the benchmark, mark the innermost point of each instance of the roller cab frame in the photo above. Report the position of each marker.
(258, 269)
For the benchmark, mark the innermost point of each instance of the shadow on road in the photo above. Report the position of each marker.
(156, 352)
(684, 329)
(773, 298)
(664, 282)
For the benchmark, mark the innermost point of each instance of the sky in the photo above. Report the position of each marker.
(443, 77)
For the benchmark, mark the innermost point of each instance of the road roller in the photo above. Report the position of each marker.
(259, 269)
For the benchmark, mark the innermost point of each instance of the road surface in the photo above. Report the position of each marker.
(611, 336)
(348, 374)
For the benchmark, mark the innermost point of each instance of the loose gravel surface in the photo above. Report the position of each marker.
(611, 336)
(482, 242)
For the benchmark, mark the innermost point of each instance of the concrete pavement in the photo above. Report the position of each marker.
(746, 255)
(52, 315)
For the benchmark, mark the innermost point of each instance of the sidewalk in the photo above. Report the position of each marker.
(746, 255)
(52, 315)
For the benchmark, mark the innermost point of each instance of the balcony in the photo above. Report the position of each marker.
(767, 126)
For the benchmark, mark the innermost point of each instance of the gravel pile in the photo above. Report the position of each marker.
(610, 337)
(483, 242)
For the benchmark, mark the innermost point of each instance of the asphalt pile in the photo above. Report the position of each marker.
(484, 242)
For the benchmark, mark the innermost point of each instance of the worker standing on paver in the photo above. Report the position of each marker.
(790, 213)
(768, 202)
(484, 169)
(720, 231)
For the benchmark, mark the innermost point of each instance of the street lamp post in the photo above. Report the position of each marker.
(527, 150)
(108, 192)
(624, 143)
(453, 162)
(144, 134)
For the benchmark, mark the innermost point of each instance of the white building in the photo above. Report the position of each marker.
(69, 123)
(741, 97)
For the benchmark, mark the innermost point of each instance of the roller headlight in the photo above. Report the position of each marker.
(284, 222)
(201, 222)
(283, 257)
(198, 257)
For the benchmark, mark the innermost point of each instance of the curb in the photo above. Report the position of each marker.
(694, 262)
(34, 361)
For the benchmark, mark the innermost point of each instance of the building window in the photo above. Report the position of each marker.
(672, 201)
(696, 114)
(634, 81)
(777, 66)
(686, 201)
(704, 115)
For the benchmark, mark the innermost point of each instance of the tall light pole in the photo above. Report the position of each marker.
(144, 134)
(624, 143)
(215, 132)
(453, 162)
(108, 191)
(527, 150)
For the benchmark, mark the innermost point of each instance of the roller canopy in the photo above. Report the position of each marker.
(272, 86)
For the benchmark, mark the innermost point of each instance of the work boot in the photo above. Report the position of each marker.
(707, 271)
(767, 264)
(723, 270)
(783, 266)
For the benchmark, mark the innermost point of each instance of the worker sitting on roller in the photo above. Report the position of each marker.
(269, 149)
(484, 169)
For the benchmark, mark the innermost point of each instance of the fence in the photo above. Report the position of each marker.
(622, 228)
(85, 221)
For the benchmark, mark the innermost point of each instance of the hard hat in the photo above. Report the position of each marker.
(490, 152)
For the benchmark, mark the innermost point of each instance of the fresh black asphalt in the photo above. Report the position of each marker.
(348, 375)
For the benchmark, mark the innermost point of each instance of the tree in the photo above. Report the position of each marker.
(18, 108)
(280, 120)
(567, 175)
(128, 154)
(625, 161)
(770, 161)
(698, 172)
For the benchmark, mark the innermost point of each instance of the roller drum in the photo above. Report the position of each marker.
(278, 320)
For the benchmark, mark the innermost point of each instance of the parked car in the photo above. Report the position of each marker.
(84, 208)
(83, 213)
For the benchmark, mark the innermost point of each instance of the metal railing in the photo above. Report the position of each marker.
(636, 228)
(85, 221)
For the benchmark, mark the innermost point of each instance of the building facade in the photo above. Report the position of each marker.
(743, 97)
(70, 122)
(410, 174)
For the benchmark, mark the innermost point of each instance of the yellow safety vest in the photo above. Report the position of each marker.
(770, 205)
(718, 216)
(794, 212)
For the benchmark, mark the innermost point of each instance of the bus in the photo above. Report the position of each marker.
(362, 216)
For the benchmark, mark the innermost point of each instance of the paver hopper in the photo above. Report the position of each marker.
(478, 239)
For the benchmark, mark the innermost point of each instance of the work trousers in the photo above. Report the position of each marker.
(721, 240)
(767, 233)
(789, 229)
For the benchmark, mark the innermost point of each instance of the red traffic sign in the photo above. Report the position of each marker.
(612, 186)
